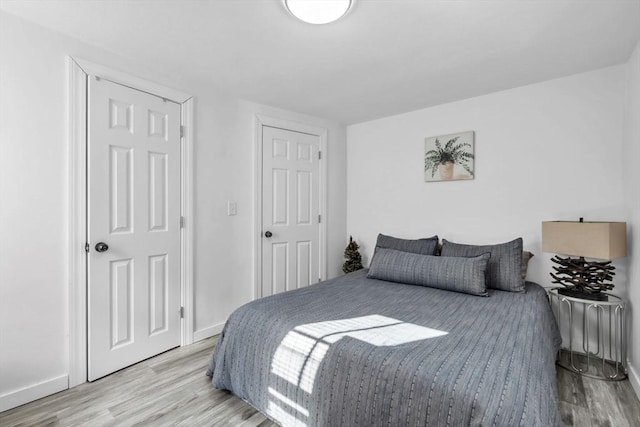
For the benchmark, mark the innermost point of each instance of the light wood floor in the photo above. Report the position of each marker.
(172, 390)
(589, 402)
(168, 390)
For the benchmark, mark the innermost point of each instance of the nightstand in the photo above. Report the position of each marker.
(597, 344)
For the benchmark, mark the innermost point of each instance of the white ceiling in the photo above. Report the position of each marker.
(385, 57)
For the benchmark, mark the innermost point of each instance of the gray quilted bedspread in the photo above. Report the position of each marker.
(354, 351)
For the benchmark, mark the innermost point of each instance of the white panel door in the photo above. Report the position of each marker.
(290, 210)
(133, 226)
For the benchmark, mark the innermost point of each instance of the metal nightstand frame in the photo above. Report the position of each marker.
(612, 368)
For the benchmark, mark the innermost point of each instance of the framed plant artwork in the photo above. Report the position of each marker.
(449, 157)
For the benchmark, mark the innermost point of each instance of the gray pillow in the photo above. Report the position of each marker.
(457, 274)
(427, 246)
(504, 271)
(526, 257)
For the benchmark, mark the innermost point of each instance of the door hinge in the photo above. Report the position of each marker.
(319, 219)
(181, 222)
(86, 247)
(319, 155)
(181, 131)
(181, 312)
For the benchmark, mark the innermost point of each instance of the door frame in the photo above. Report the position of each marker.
(79, 71)
(321, 133)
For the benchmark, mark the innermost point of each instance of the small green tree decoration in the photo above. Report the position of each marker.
(353, 259)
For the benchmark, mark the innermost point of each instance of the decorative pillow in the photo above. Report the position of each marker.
(428, 246)
(504, 271)
(526, 257)
(450, 273)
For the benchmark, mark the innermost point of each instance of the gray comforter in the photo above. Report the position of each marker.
(354, 351)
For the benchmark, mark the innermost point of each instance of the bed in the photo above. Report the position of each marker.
(357, 351)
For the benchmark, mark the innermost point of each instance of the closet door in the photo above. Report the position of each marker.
(290, 210)
(133, 226)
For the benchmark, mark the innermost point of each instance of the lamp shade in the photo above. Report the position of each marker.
(603, 240)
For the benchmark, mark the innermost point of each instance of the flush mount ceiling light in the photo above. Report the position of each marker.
(318, 11)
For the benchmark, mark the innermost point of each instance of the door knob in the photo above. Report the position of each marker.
(102, 247)
(268, 234)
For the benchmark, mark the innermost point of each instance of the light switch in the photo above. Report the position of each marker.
(232, 208)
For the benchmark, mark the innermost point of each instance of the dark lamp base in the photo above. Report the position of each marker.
(597, 296)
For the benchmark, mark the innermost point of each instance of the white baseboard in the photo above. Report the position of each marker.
(201, 334)
(634, 378)
(30, 393)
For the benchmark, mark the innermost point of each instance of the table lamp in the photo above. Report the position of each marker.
(601, 240)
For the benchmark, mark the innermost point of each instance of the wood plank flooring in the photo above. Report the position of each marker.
(589, 402)
(167, 390)
(172, 390)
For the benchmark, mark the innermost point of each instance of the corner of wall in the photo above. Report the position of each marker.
(631, 175)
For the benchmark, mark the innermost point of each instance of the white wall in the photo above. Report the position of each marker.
(34, 202)
(547, 151)
(224, 244)
(632, 196)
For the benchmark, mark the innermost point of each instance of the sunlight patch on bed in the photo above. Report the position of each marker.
(290, 403)
(279, 414)
(302, 350)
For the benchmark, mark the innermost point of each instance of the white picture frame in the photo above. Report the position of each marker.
(449, 157)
